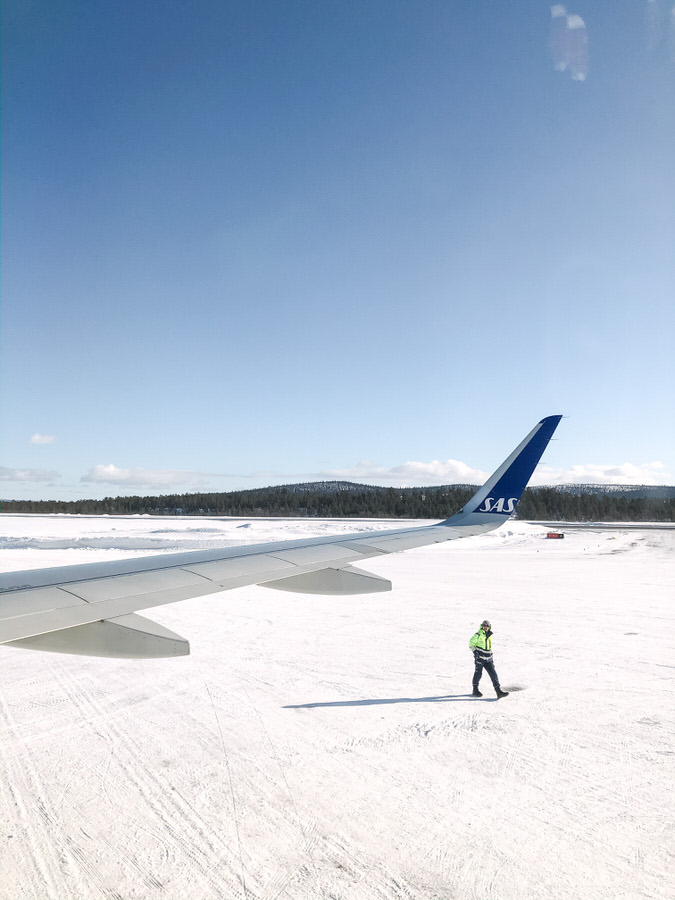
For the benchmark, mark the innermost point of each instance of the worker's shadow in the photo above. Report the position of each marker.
(445, 698)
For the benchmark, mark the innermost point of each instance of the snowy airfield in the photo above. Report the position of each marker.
(327, 747)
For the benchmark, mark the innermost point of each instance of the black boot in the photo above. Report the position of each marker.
(476, 693)
(501, 693)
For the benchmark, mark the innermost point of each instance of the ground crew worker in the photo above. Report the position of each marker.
(481, 647)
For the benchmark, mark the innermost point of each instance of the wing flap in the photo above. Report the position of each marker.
(303, 556)
(246, 568)
(135, 585)
(37, 600)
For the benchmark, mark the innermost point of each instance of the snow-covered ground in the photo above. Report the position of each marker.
(327, 747)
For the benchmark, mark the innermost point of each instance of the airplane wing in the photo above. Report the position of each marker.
(91, 609)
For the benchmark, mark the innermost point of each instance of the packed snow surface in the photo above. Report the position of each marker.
(328, 747)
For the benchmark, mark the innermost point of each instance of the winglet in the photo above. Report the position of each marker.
(497, 499)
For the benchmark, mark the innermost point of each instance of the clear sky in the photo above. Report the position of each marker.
(247, 243)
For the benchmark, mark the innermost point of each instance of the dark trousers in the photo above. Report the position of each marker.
(489, 667)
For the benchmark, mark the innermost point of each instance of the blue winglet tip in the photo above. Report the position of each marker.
(496, 500)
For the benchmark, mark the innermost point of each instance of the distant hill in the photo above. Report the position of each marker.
(665, 492)
(345, 499)
(332, 487)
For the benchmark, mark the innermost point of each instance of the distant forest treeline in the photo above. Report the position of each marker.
(586, 503)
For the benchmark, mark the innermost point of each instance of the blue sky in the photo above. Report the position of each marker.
(247, 243)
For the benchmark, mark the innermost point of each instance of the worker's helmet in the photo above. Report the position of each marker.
(485, 622)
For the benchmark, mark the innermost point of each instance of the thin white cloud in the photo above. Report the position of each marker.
(140, 477)
(27, 474)
(409, 474)
(38, 438)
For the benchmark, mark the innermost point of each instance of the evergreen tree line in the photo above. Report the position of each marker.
(548, 504)
(366, 502)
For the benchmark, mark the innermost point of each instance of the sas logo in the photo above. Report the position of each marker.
(490, 505)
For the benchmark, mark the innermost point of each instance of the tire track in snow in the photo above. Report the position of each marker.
(397, 889)
(62, 842)
(308, 836)
(169, 805)
(21, 781)
(92, 719)
(149, 880)
(235, 814)
(78, 852)
(343, 870)
(420, 731)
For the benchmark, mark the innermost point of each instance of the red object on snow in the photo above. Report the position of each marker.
(554, 534)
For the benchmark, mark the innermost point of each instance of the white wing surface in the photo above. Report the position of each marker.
(91, 608)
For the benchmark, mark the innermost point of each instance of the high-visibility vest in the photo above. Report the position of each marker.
(481, 641)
